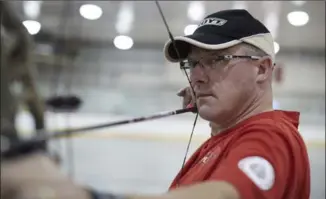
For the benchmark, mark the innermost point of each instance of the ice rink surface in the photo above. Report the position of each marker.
(138, 166)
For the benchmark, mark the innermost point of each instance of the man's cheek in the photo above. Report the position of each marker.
(224, 89)
(216, 89)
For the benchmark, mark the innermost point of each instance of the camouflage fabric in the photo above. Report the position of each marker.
(16, 66)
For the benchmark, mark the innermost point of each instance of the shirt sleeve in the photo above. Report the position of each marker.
(257, 165)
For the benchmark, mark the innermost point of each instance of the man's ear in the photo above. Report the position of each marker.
(265, 69)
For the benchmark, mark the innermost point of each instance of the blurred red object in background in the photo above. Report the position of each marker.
(278, 73)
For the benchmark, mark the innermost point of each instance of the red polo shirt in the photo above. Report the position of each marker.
(262, 157)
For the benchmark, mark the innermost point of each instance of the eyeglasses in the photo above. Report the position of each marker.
(216, 62)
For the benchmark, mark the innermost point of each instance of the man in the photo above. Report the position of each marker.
(254, 152)
(16, 66)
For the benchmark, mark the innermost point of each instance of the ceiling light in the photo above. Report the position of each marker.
(32, 8)
(196, 10)
(125, 17)
(276, 47)
(298, 3)
(33, 27)
(298, 18)
(123, 42)
(190, 29)
(90, 11)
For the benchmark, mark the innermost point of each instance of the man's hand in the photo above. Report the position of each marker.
(187, 95)
(36, 177)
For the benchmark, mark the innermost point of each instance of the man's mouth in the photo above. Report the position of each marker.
(199, 95)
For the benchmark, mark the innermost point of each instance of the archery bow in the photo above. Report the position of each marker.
(192, 89)
(21, 147)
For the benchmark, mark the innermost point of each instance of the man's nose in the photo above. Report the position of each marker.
(198, 75)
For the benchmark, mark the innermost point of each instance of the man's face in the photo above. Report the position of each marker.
(222, 87)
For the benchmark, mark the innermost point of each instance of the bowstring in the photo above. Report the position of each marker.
(58, 71)
(192, 89)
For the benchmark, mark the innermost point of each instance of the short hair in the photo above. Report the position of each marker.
(252, 50)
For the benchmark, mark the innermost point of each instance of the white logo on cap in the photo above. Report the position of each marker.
(259, 170)
(212, 21)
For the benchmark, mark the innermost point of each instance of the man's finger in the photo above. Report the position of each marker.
(182, 92)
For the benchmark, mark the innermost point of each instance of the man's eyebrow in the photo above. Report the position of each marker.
(220, 52)
(208, 53)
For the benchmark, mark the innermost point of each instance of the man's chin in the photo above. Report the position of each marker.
(207, 113)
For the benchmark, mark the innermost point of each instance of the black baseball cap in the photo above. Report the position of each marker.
(222, 30)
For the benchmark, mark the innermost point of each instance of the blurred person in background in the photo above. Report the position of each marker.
(254, 152)
(17, 68)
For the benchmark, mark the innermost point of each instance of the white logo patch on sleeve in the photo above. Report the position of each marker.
(259, 170)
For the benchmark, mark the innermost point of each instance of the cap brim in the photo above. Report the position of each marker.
(183, 45)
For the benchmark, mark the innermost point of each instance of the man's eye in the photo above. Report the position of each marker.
(218, 60)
